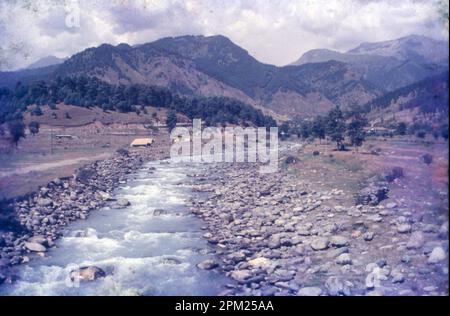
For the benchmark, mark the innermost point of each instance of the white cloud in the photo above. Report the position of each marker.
(274, 31)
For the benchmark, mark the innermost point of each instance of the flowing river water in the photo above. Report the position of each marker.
(142, 253)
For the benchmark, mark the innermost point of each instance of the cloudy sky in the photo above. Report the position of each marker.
(274, 31)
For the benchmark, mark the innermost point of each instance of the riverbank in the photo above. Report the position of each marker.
(36, 220)
(301, 231)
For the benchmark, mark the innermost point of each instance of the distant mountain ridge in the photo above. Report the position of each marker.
(45, 62)
(390, 64)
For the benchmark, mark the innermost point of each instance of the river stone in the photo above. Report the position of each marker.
(241, 275)
(44, 202)
(310, 291)
(261, 262)
(391, 205)
(415, 241)
(437, 255)
(368, 236)
(207, 264)
(404, 228)
(123, 202)
(237, 256)
(38, 239)
(170, 261)
(320, 243)
(85, 274)
(159, 211)
(339, 241)
(34, 246)
(335, 286)
(344, 259)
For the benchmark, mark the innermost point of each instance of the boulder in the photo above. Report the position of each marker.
(34, 246)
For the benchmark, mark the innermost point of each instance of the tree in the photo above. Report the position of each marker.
(336, 127)
(33, 127)
(284, 130)
(318, 127)
(171, 120)
(305, 129)
(401, 128)
(355, 130)
(444, 131)
(16, 131)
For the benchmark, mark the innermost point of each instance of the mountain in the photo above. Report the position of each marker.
(392, 64)
(413, 48)
(215, 66)
(46, 61)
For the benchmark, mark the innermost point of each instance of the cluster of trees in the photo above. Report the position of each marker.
(89, 92)
(422, 129)
(336, 125)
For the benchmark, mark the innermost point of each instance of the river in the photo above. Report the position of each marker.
(142, 253)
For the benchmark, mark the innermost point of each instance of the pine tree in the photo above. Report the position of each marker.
(336, 127)
(171, 120)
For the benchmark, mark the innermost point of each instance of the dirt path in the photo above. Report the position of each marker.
(26, 168)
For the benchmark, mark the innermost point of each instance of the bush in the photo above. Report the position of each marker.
(290, 159)
(421, 134)
(33, 127)
(394, 173)
(122, 152)
(427, 158)
(316, 153)
(8, 218)
(36, 111)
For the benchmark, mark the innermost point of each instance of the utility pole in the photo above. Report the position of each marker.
(51, 140)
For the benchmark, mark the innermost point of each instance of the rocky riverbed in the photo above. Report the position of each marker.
(276, 235)
(272, 234)
(42, 216)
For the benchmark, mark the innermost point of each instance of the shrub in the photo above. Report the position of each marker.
(33, 127)
(427, 158)
(421, 134)
(122, 152)
(36, 111)
(8, 218)
(290, 159)
(394, 173)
